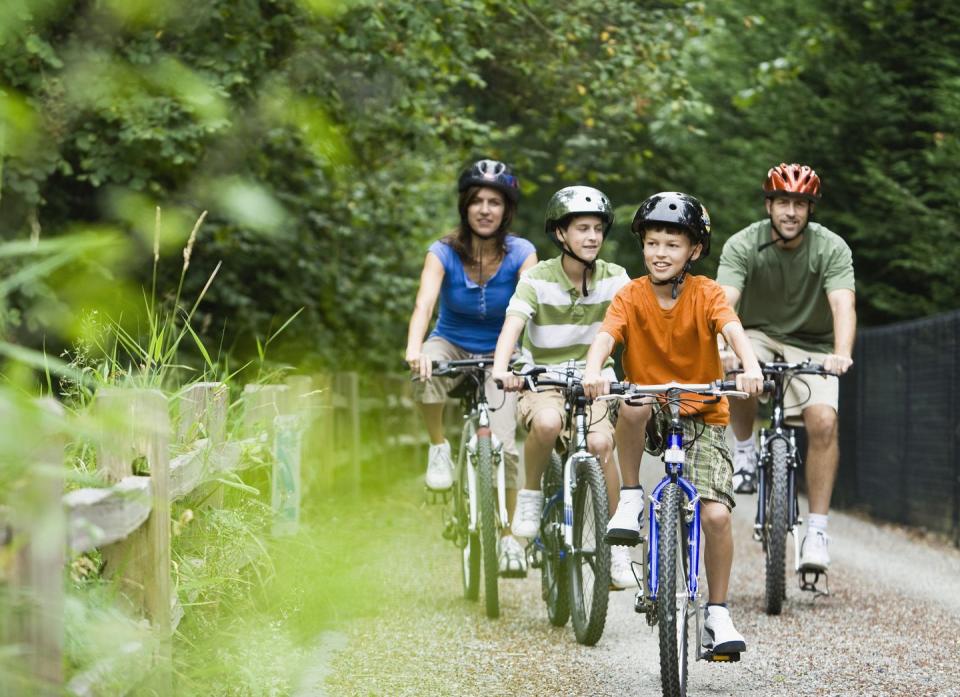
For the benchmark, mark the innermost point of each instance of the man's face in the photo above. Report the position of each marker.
(789, 215)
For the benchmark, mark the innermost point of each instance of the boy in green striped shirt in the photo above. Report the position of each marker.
(558, 307)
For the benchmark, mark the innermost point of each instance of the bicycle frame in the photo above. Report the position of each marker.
(673, 459)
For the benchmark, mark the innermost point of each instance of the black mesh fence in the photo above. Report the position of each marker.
(900, 425)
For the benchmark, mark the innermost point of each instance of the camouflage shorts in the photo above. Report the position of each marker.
(708, 465)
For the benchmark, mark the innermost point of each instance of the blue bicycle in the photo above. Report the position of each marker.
(668, 583)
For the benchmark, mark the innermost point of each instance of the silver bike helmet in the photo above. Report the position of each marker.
(577, 200)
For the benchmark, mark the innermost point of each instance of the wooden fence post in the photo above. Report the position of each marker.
(262, 404)
(350, 385)
(203, 414)
(36, 587)
(287, 449)
(136, 424)
(324, 434)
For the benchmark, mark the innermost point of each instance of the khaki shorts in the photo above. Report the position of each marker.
(707, 465)
(503, 405)
(531, 403)
(804, 390)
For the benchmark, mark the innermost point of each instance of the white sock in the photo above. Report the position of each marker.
(817, 521)
(744, 444)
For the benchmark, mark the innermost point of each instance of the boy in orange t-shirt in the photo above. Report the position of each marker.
(668, 322)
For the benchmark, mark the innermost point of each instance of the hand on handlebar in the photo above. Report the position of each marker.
(420, 363)
(509, 382)
(750, 380)
(838, 364)
(594, 385)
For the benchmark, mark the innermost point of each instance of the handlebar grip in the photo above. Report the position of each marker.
(619, 387)
(768, 385)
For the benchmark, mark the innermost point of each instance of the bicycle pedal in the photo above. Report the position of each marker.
(435, 496)
(624, 541)
(711, 657)
(810, 584)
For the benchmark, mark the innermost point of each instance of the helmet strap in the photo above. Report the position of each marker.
(779, 237)
(588, 266)
(677, 280)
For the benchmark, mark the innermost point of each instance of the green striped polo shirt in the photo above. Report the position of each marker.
(561, 324)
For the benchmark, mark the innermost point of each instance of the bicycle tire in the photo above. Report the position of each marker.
(589, 562)
(468, 542)
(777, 512)
(672, 596)
(488, 523)
(553, 573)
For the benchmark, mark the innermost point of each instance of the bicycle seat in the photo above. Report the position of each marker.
(461, 389)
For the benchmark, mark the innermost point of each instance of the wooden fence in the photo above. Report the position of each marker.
(150, 459)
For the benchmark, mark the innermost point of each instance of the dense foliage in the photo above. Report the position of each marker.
(324, 140)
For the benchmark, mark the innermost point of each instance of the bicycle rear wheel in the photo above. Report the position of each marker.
(553, 573)
(775, 534)
(488, 522)
(589, 562)
(469, 542)
(673, 599)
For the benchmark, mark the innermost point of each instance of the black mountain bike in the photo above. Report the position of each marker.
(778, 508)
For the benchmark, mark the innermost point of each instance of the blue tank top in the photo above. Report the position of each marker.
(471, 316)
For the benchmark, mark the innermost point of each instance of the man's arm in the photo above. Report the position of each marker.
(506, 343)
(844, 307)
(751, 379)
(727, 357)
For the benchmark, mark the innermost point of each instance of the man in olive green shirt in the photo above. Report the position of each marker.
(792, 284)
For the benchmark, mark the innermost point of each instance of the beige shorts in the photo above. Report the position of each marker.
(530, 403)
(804, 390)
(503, 405)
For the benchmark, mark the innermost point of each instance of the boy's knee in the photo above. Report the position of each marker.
(546, 424)
(715, 517)
(600, 445)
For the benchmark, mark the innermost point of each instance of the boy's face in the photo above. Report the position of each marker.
(584, 236)
(666, 250)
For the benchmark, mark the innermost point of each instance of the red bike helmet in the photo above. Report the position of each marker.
(797, 181)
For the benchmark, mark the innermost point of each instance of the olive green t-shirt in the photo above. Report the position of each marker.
(784, 292)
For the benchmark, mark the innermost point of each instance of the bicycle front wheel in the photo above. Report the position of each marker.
(488, 522)
(775, 535)
(467, 540)
(553, 573)
(590, 558)
(673, 599)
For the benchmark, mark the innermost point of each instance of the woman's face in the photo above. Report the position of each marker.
(485, 212)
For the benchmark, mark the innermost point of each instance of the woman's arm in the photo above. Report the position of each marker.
(528, 263)
(431, 278)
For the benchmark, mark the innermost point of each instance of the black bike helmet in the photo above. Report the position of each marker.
(676, 209)
(491, 173)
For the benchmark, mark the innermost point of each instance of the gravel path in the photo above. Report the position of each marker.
(891, 627)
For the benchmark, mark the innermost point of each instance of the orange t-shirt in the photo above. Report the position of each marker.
(679, 344)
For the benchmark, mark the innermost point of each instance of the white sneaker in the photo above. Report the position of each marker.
(624, 526)
(719, 634)
(621, 569)
(745, 471)
(512, 557)
(526, 519)
(813, 551)
(439, 467)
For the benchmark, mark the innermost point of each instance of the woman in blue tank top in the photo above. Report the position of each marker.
(473, 271)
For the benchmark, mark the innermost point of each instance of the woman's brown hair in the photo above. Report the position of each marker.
(460, 238)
